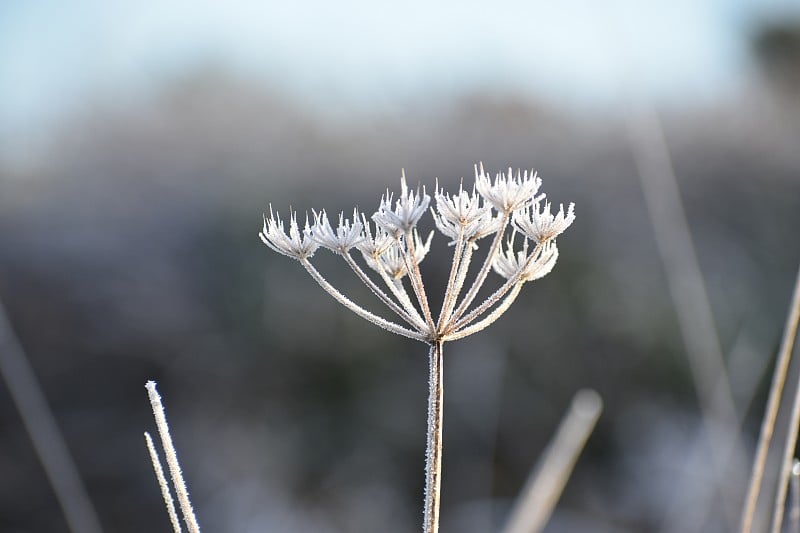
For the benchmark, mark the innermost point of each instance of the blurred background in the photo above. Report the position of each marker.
(140, 143)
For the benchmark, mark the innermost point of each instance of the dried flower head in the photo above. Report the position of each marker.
(508, 192)
(346, 236)
(542, 226)
(463, 215)
(395, 250)
(521, 265)
(394, 260)
(297, 244)
(406, 213)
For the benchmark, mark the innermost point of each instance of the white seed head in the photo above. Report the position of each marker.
(393, 261)
(297, 245)
(463, 214)
(346, 236)
(542, 226)
(406, 213)
(511, 263)
(373, 246)
(508, 192)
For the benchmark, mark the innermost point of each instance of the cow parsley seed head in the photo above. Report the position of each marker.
(297, 244)
(406, 213)
(510, 263)
(393, 260)
(508, 192)
(542, 226)
(372, 246)
(391, 245)
(463, 214)
(346, 236)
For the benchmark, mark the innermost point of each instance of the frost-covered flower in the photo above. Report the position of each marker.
(346, 236)
(297, 245)
(509, 262)
(465, 213)
(393, 260)
(542, 226)
(508, 192)
(407, 211)
(372, 246)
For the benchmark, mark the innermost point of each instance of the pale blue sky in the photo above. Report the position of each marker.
(56, 55)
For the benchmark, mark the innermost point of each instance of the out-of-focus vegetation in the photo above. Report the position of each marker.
(129, 251)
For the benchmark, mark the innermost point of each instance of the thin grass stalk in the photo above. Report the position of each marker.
(687, 288)
(771, 414)
(546, 482)
(794, 495)
(172, 459)
(789, 447)
(47, 440)
(163, 484)
(433, 454)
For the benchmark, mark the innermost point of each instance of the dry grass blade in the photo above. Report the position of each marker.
(547, 481)
(687, 288)
(163, 484)
(47, 440)
(773, 403)
(172, 459)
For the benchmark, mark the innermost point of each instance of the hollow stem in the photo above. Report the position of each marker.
(433, 458)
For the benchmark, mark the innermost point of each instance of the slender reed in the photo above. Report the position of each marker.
(794, 510)
(38, 419)
(547, 480)
(686, 286)
(172, 460)
(771, 414)
(395, 250)
(163, 484)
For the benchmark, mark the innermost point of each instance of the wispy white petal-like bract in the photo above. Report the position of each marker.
(297, 244)
(508, 192)
(346, 236)
(541, 226)
(406, 213)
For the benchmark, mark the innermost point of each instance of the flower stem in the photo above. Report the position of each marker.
(433, 458)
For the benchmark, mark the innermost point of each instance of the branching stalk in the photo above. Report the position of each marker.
(415, 277)
(449, 295)
(489, 319)
(357, 309)
(484, 271)
(402, 313)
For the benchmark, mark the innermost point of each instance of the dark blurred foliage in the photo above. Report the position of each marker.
(778, 48)
(129, 251)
